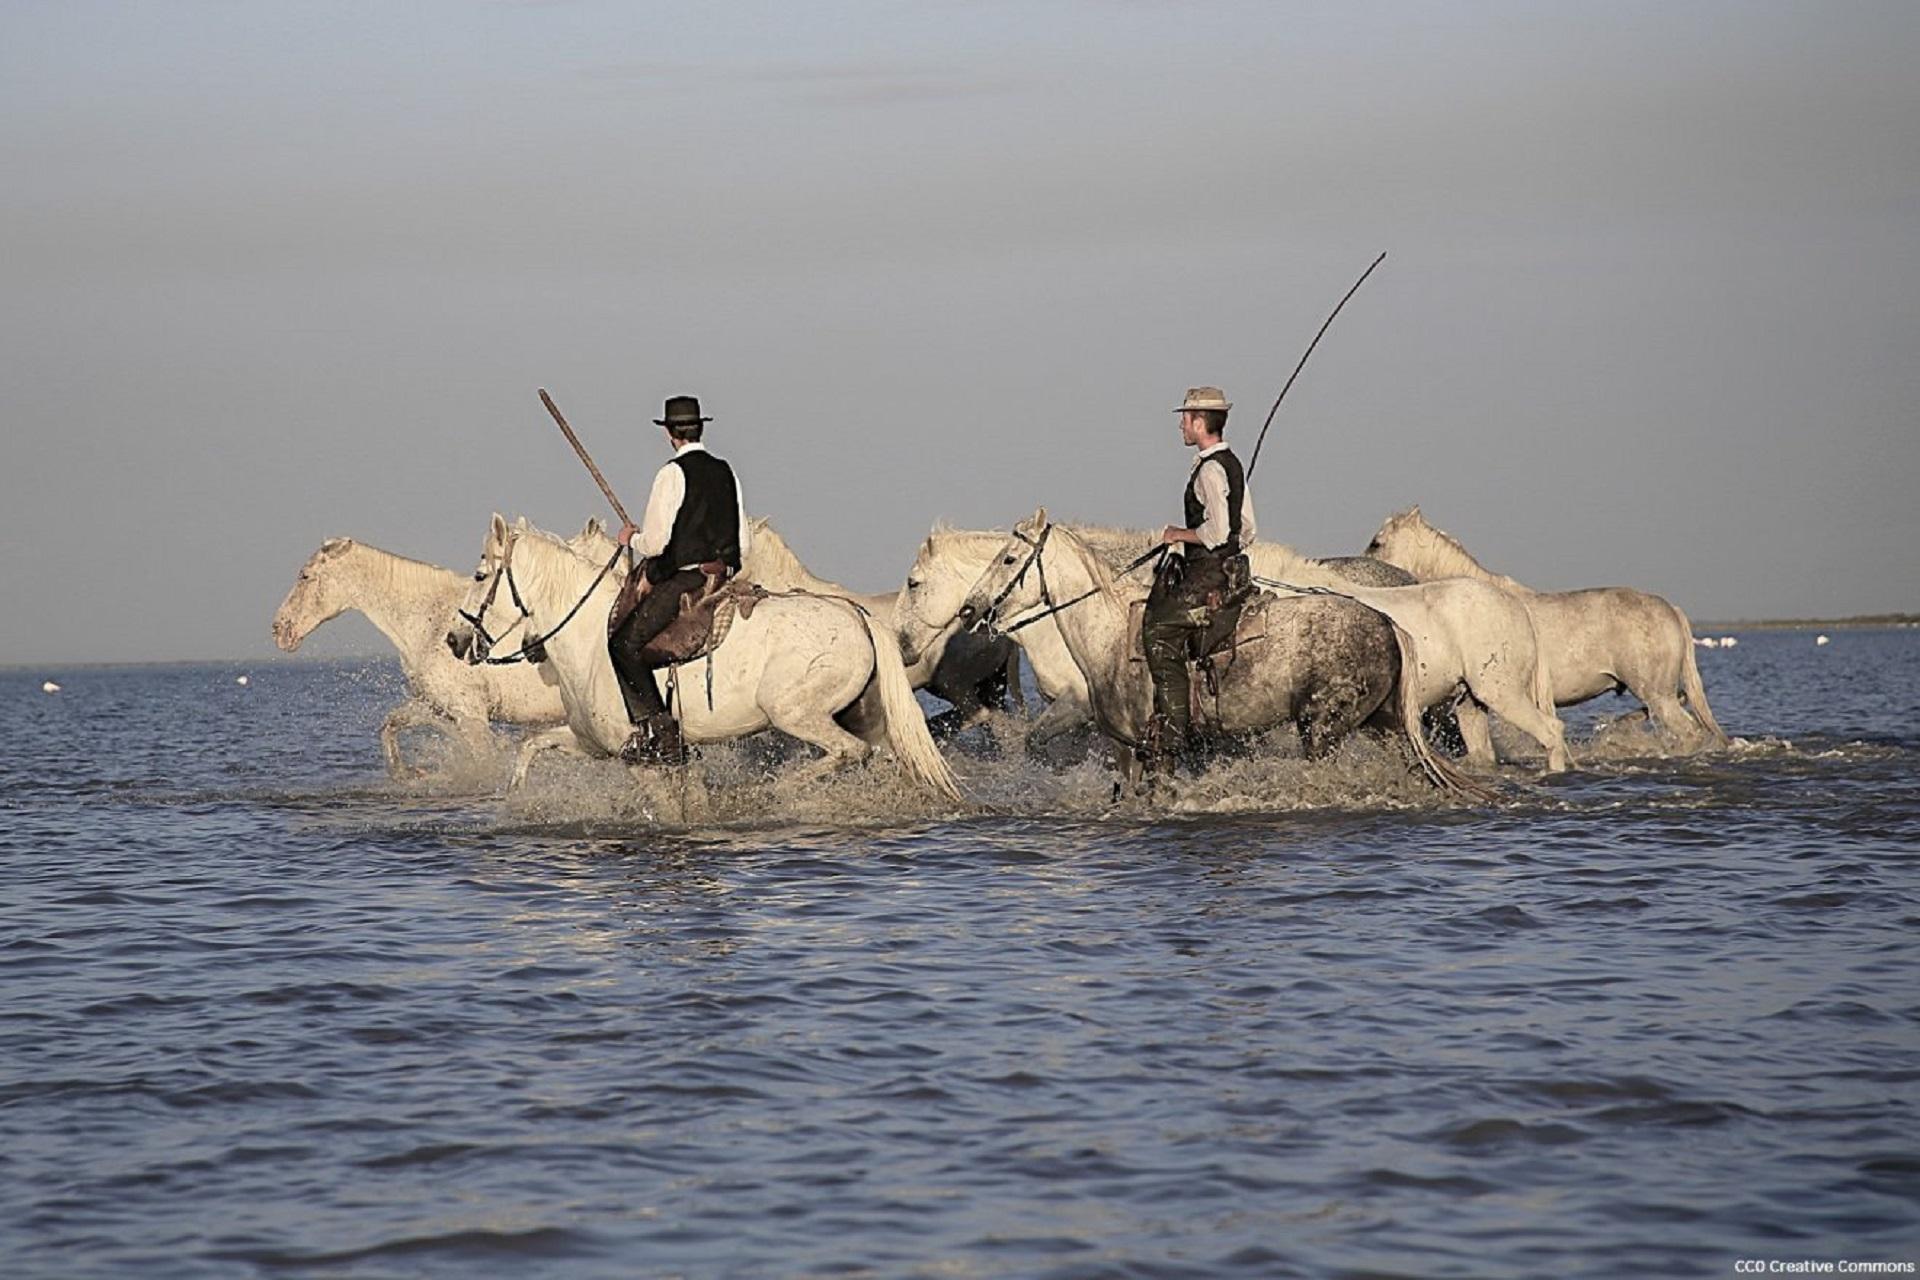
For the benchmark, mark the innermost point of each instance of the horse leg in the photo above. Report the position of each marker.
(805, 718)
(1670, 714)
(1516, 706)
(842, 749)
(1062, 715)
(411, 714)
(1476, 735)
(556, 739)
(1329, 713)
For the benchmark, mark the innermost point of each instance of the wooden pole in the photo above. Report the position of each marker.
(580, 449)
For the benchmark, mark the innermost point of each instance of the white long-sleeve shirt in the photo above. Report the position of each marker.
(1211, 487)
(663, 504)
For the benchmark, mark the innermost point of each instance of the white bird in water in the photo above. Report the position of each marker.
(241, 680)
(49, 687)
(1820, 640)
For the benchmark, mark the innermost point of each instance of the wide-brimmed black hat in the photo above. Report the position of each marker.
(682, 411)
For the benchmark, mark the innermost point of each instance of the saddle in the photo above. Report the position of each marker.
(1214, 647)
(704, 619)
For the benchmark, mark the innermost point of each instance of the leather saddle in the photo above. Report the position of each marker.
(1215, 647)
(704, 619)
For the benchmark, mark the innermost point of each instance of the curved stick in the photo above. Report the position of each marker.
(1255, 460)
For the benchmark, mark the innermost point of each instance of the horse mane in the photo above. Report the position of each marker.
(390, 569)
(1441, 554)
(772, 563)
(1115, 547)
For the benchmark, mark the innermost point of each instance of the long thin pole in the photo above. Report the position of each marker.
(581, 449)
(1255, 460)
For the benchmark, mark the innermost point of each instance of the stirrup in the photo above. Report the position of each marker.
(655, 740)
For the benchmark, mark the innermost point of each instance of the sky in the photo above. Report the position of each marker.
(274, 272)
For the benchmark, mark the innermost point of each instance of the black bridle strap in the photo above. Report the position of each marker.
(538, 643)
(1038, 545)
(1159, 550)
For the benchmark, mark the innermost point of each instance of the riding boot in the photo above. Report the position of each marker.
(655, 740)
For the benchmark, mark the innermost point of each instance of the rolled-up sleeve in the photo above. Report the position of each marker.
(663, 504)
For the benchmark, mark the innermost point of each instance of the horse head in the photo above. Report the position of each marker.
(1399, 533)
(316, 596)
(470, 637)
(1010, 582)
(936, 586)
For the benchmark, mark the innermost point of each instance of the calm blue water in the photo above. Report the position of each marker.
(266, 1013)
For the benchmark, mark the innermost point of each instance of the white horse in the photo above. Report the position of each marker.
(1600, 640)
(1477, 650)
(412, 602)
(1325, 663)
(804, 664)
(972, 672)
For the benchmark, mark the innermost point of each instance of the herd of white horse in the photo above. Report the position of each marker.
(1325, 646)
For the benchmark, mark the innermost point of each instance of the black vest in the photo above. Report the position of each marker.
(707, 526)
(1236, 497)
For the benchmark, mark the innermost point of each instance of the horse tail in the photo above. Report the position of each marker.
(1690, 685)
(906, 724)
(1439, 772)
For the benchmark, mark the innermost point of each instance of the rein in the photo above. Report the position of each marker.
(1048, 607)
(533, 650)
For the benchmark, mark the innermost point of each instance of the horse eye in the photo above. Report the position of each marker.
(479, 575)
(1008, 560)
(913, 584)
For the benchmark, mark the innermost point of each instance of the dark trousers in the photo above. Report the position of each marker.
(1178, 609)
(649, 619)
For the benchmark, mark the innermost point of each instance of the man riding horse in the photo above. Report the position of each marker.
(692, 536)
(1207, 574)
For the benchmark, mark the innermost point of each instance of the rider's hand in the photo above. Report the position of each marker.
(626, 533)
(1173, 533)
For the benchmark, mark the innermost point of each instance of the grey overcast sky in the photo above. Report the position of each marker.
(277, 271)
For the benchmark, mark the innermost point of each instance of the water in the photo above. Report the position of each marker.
(268, 1014)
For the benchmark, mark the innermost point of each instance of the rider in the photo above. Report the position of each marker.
(1200, 576)
(695, 527)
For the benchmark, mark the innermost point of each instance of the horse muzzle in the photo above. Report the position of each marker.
(466, 646)
(977, 621)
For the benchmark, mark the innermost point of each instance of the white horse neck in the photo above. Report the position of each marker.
(772, 563)
(1095, 626)
(407, 600)
(1438, 554)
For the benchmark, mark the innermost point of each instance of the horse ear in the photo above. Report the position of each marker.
(1039, 517)
(1414, 511)
(497, 532)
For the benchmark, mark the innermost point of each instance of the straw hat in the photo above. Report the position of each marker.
(1205, 398)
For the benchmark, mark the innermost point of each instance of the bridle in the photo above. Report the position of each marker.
(1036, 565)
(533, 650)
(486, 641)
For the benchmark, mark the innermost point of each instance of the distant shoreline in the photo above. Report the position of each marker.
(1859, 621)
